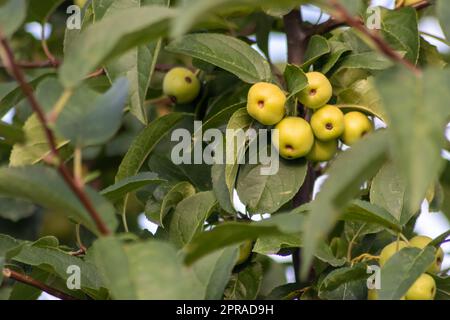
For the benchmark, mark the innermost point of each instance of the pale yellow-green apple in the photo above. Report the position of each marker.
(322, 150)
(181, 85)
(265, 103)
(295, 138)
(372, 294)
(80, 3)
(390, 250)
(424, 288)
(318, 91)
(245, 250)
(356, 126)
(327, 123)
(421, 242)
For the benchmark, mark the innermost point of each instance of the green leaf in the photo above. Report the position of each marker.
(417, 114)
(40, 10)
(145, 142)
(11, 133)
(325, 254)
(388, 191)
(12, 15)
(138, 64)
(363, 211)
(343, 183)
(267, 193)
(90, 123)
(21, 291)
(226, 52)
(340, 276)
(176, 194)
(220, 188)
(366, 61)
(36, 146)
(337, 50)
(38, 184)
(97, 44)
(402, 270)
(443, 13)
(245, 284)
(149, 270)
(231, 233)
(15, 95)
(153, 270)
(15, 209)
(362, 96)
(214, 271)
(240, 120)
(189, 217)
(317, 47)
(402, 25)
(273, 244)
(295, 78)
(130, 184)
(56, 261)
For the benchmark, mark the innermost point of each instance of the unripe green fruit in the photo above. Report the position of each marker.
(372, 294)
(80, 3)
(423, 289)
(265, 103)
(295, 138)
(390, 250)
(245, 250)
(322, 151)
(421, 242)
(181, 85)
(327, 123)
(357, 125)
(318, 91)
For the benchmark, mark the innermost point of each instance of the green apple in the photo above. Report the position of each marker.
(245, 250)
(318, 91)
(421, 242)
(372, 294)
(423, 289)
(265, 103)
(322, 151)
(80, 3)
(181, 85)
(327, 123)
(357, 125)
(390, 250)
(295, 138)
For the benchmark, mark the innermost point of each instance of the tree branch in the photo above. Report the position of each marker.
(50, 137)
(296, 37)
(334, 23)
(342, 14)
(23, 278)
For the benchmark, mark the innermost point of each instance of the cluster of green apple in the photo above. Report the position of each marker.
(424, 288)
(316, 140)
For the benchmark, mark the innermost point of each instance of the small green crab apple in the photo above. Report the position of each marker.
(181, 85)
(318, 91)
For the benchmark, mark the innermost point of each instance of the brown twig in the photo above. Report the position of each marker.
(23, 278)
(54, 154)
(36, 64)
(342, 14)
(334, 23)
(296, 37)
